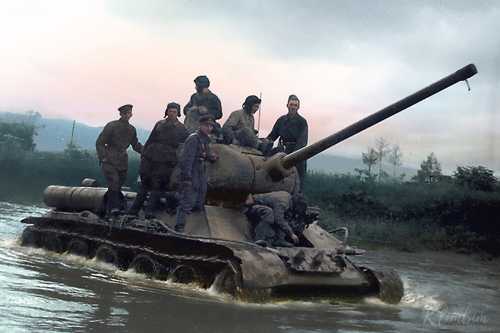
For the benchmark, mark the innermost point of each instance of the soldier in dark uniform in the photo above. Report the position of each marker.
(193, 177)
(268, 211)
(160, 158)
(111, 146)
(202, 102)
(291, 129)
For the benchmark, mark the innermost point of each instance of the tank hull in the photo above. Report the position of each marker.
(240, 268)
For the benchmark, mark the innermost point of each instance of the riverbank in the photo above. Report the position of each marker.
(408, 216)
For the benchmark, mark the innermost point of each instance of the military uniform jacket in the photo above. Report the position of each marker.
(192, 160)
(280, 202)
(112, 143)
(240, 119)
(210, 101)
(164, 140)
(292, 130)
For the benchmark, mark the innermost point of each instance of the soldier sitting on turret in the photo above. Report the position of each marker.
(239, 128)
(268, 211)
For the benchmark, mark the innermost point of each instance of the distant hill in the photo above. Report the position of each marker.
(54, 135)
(340, 164)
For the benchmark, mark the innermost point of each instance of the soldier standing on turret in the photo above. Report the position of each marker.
(159, 158)
(292, 131)
(111, 146)
(193, 176)
(202, 102)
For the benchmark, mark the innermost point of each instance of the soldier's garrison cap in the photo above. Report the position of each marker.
(173, 105)
(202, 81)
(125, 108)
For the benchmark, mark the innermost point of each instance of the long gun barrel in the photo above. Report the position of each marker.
(307, 152)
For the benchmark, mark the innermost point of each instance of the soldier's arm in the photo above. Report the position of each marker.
(183, 134)
(189, 105)
(275, 131)
(136, 145)
(102, 140)
(152, 136)
(302, 139)
(279, 209)
(187, 158)
(218, 108)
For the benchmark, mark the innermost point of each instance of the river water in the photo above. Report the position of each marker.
(46, 292)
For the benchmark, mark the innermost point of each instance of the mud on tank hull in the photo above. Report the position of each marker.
(237, 267)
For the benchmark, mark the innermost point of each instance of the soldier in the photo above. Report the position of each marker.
(193, 177)
(239, 128)
(202, 102)
(268, 210)
(291, 129)
(111, 146)
(160, 158)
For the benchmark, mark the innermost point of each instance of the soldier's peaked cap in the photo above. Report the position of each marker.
(125, 108)
(202, 81)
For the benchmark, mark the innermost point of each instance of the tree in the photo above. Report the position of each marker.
(476, 178)
(369, 159)
(394, 157)
(430, 170)
(381, 149)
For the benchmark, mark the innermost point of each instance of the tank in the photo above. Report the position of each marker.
(217, 249)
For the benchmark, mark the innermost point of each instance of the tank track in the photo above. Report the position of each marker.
(204, 270)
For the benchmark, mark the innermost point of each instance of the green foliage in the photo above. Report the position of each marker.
(475, 178)
(430, 170)
(443, 214)
(19, 135)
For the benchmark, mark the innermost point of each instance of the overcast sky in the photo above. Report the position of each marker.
(344, 59)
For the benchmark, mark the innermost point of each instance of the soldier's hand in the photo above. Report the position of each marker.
(213, 157)
(295, 239)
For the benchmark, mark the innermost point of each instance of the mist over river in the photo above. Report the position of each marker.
(46, 292)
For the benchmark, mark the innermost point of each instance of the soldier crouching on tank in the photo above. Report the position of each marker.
(268, 211)
(193, 176)
(159, 159)
(111, 146)
(202, 102)
(239, 128)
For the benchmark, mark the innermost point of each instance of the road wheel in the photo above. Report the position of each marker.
(184, 274)
(30, 237)
(145, 264)
(78, 247)
(52, 242)
(108, 255)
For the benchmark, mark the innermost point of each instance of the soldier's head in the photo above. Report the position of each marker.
(293, 104)
(206, 124)
(251, 104)
(172, 111)
(126, 111)
(201, 84)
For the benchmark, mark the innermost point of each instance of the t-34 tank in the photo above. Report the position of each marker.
(217, 248)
